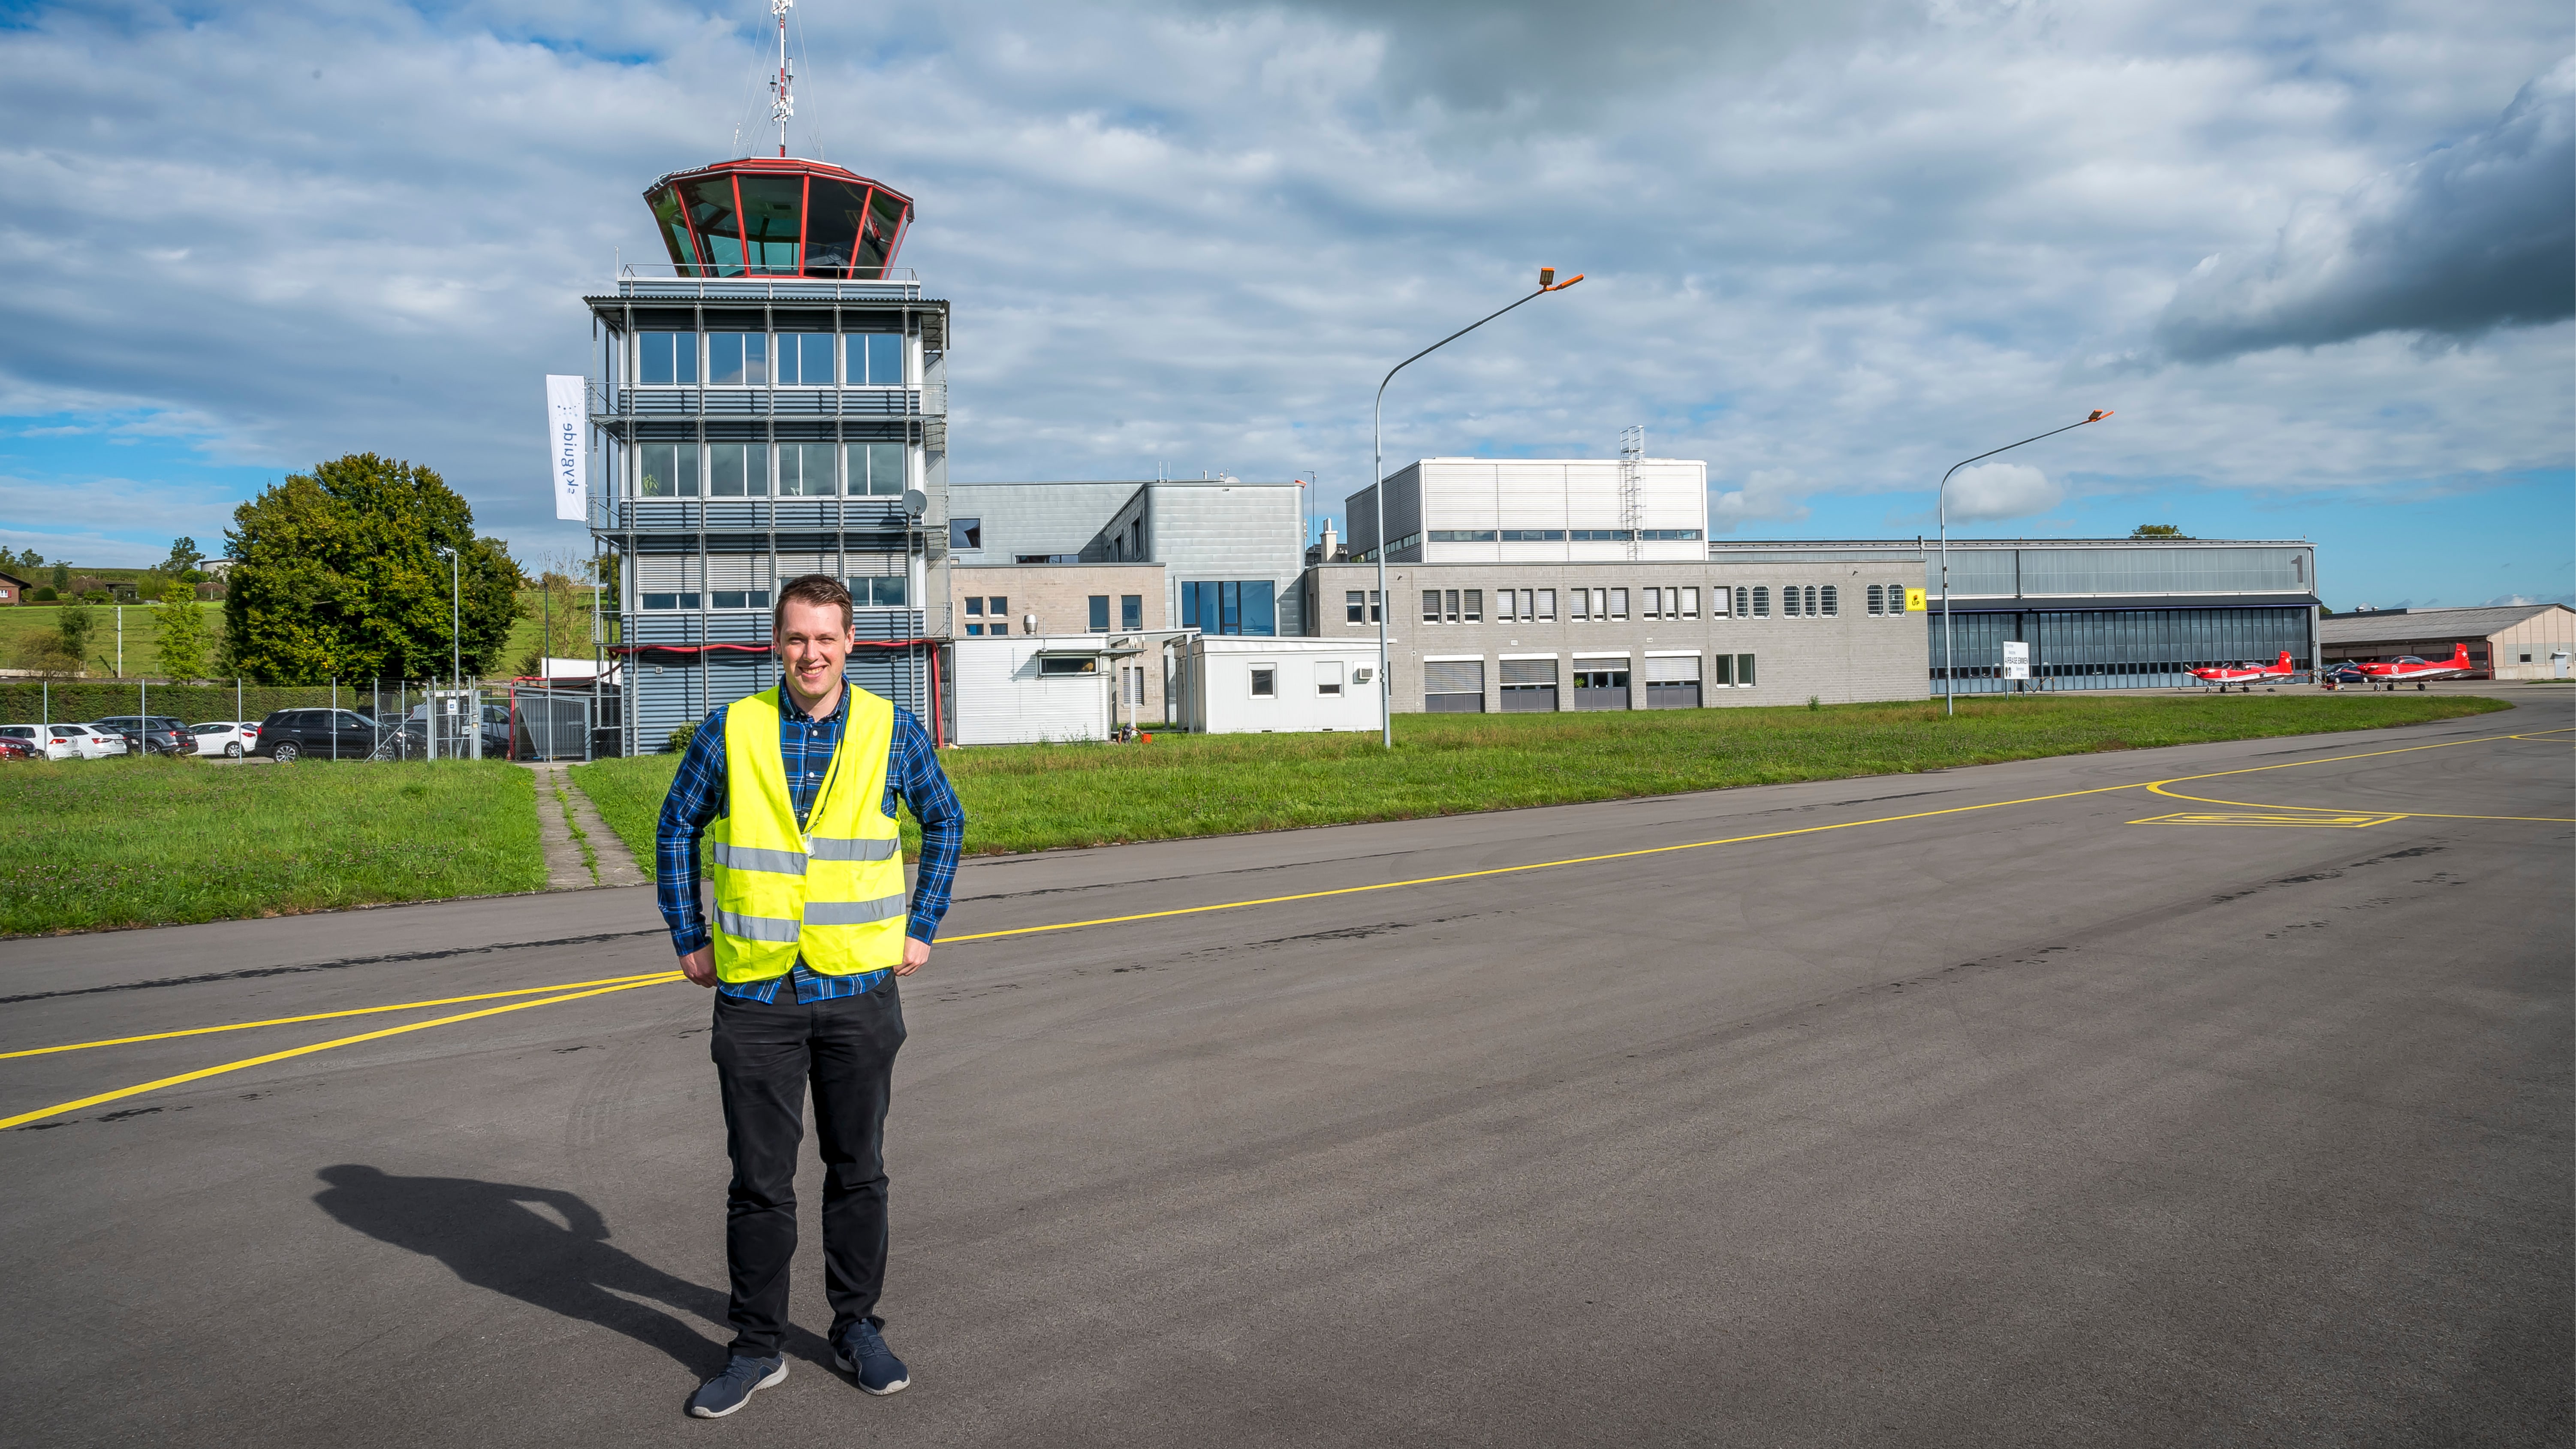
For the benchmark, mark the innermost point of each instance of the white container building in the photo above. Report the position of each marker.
(1228, 686)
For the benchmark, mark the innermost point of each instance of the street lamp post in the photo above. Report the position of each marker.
(455, 649)
(1949, 664)
(1547, 283)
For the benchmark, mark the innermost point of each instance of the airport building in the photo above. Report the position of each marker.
(2096, 613)
(1229, 548)
(2506, 641)
(772, 402)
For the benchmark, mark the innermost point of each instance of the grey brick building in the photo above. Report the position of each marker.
(1509, 637)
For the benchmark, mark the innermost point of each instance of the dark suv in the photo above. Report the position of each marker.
(154, 733)
(323, 734)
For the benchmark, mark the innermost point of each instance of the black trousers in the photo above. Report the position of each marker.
(764, 1055)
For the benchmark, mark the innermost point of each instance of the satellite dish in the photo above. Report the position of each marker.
(915, 502)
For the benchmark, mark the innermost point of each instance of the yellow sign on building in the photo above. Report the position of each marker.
(1914, 601)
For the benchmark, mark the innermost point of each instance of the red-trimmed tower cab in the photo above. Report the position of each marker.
(779, 216)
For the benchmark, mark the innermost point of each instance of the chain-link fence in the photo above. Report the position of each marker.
(368, 719)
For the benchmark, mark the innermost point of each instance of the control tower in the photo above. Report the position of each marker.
(770, 402)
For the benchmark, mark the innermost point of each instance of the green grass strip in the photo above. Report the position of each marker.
(154, 841)
(1037, 797)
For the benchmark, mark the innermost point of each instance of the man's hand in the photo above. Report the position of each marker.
(700, 966)
(916, 954)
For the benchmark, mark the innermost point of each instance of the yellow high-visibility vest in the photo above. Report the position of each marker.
(832, 892)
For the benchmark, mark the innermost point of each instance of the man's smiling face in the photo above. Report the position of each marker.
(813, 642)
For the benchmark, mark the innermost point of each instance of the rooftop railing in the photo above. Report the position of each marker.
(664, 281)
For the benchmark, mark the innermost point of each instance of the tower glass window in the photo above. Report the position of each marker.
(665, 359)
(737, 470)
(805, 470)
(877, 471)
(778, 215)
(874, 359)
(805, 359)
(667, 470)
(738, 359)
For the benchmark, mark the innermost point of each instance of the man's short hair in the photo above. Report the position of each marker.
(819, 590)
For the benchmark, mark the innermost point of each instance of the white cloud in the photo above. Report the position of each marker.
(1832, 249)
(2001, 490)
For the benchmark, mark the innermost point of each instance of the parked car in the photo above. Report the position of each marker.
(87, 743)
(324, 734)
(156, 734)
(230, 738)
(2343, 674)
(14, 748)
(42, 741)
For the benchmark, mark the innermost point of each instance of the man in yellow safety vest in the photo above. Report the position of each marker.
(794, 789)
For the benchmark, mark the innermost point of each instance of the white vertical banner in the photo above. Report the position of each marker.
(564, 398)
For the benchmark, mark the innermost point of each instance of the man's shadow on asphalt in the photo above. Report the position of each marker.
(488, 1234)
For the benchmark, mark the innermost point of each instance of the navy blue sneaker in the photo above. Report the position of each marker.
(862, 1352)
(733, 1388)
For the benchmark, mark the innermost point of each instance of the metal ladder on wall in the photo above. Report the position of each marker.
(1632, 486)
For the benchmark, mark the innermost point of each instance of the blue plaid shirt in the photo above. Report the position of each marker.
(806, 744)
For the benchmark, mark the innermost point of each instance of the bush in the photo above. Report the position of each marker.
(680, 738)
(46, 595)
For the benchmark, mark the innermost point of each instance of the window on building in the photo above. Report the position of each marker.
(738, 470)
(965, 533)
(1875, 600)
(1453, 686)
(805, 469)
(1833, 602)
(1667, 535)
(1578, 603)
(1811, 601)
(873, 359)
(876, 470)
(665, 359)
(1896, 598)
(882, 591)
(1430, 606)
(1528, 686)
(804, 359)
(1265, 681)
(1359, 607)
(1600, 674)
(667, 470)
(742, 598)
(1743, 602)
(1650, 603)
(1230, 606)
(975, 607)
(997, 605)
(1132, 683)
(1131, 611)
(1690, 603)
(1452, 605)
(1618, 603)
(1058, 667)
(1506, 605)
(1721, 670)
(1099, 613)
(1599, 535)
(997, 628)
(1744, 671)
(1328, 678)
(1761, 602)
(670, 601)
(738, 359)
(1462, 535)
(1473, 611)
(1533, 535)
(1546, 604)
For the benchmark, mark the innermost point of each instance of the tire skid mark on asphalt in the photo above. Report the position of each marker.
(2155, 786)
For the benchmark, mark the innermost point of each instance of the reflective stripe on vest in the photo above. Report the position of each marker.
(834, 898)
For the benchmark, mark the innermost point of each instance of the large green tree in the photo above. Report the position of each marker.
(180, 627)
(338, 573)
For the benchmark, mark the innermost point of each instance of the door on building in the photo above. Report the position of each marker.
(1672, 683)
(1600, 683)
(1529, 686)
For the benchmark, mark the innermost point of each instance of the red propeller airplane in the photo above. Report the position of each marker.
(2249, 675)
(2408, 668)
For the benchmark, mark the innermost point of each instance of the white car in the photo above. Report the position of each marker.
(87, 743)
(55, 749)
(230, 738)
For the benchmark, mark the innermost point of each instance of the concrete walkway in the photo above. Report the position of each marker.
(566, 824)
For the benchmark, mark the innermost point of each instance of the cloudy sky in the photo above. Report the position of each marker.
(2320, 257)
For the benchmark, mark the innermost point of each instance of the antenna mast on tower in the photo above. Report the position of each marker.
(782, 85)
